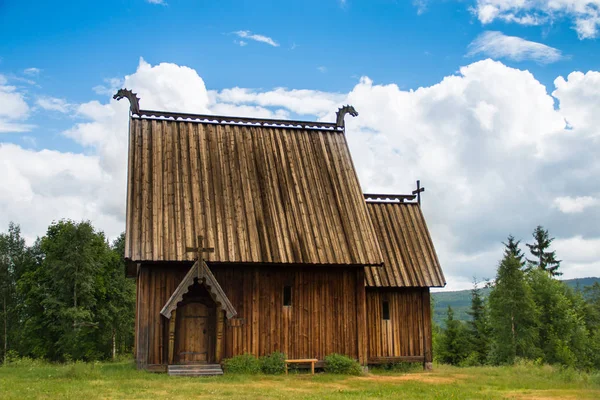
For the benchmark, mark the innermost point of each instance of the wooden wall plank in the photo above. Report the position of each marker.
(408, 332)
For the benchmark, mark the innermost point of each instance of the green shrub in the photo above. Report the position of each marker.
(273, 364)
(472, 360)
(398, 367)
(244, 364)
(14, 360)
(340, 364)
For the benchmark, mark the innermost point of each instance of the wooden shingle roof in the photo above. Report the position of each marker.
(409, 257)
(260, 191)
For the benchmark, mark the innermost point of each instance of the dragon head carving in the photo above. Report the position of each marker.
(134, 101)
(341, 113)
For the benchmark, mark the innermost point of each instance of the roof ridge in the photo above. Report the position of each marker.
(228, 120)
(389, 198)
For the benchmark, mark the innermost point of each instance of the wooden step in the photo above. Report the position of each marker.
(195, 370)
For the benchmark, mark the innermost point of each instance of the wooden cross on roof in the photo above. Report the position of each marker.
(418, 192)
(200, 251)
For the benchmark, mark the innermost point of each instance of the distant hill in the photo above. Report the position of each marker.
(460, 301)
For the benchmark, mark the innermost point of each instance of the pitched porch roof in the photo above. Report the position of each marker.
(201, 271)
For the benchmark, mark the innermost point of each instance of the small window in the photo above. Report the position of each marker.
(385, 310)
(287, 296)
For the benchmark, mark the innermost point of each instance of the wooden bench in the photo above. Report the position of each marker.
(310, 361)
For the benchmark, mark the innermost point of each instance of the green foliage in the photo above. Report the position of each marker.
(513, 314)
(242, 364)
(71, 299)
(562, 334)
(511, 248)
(340, 364)
(453, 346)
(12, 262)
(402, 367)
(460, 300)
(544, 260)
(273, 364)
(478, 327)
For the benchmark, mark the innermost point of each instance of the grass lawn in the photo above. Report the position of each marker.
(27, 379)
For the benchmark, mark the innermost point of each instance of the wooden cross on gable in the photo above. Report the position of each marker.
(418, 192)
(200, 251)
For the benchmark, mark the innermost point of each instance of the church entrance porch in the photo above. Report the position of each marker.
(195, 327)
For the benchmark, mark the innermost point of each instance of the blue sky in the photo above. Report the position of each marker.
(57, 61)
(323, 45)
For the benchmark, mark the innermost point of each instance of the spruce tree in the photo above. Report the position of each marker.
(512, 248)
(453, 346)
(478, 326)
(544, 259)
(513, 315)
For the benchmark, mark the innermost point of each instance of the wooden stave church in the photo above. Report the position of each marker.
(302, 262)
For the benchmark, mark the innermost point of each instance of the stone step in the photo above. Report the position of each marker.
(193, 366)
(196, 373)
(195, 370)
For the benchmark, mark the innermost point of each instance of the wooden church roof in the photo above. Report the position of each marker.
(260, 191)
(409, 257)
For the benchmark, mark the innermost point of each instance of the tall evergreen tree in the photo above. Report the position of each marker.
(562, 334)
(478, 325)
(544, 259)
(512, 248)
(453, 346)
(513, 315)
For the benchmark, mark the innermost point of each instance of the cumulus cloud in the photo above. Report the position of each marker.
(300, 101)
(490, 143)
(497, 45)
(256, 37)
(572, 205)
(14, 109)
(110, 86)
(585, 14)
(161, 2)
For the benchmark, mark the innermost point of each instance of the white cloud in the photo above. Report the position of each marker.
(110, 87)
(241, 43)
(322, 69)
(585, 14)
(14, 109)
(161, 2)
(32, 71)
(306, 102)
(572, 205)
(497, 45)
(54, 104)
(256, 37)
(490, 144)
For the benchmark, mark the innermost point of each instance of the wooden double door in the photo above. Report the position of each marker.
(195, 334)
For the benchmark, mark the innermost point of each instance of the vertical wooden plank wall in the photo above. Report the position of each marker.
(408, 331)
(322, 319)
(155, 284)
